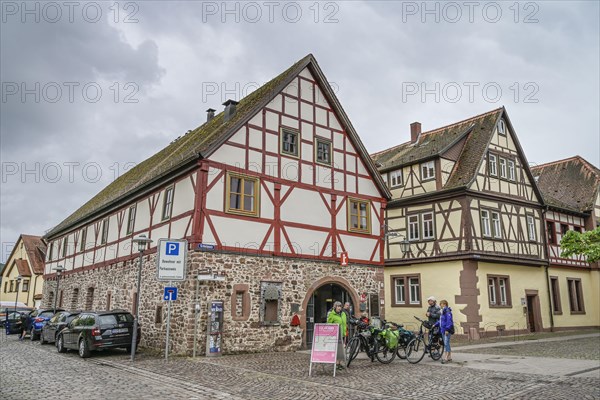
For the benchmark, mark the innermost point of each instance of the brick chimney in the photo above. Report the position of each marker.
(415, 131)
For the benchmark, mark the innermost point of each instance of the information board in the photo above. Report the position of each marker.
(324, 345)
(171, 260)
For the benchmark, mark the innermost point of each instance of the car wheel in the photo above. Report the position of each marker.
(60, 345)
(84, 350)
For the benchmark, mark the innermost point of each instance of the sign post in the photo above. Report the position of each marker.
(324, 345)
(169, 295)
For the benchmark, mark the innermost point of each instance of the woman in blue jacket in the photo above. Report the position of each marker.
(447, 330)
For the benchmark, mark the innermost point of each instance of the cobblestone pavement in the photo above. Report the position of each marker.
(261, 376)
(581, 349)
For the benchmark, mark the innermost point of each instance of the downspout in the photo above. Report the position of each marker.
(34, 287)
(544, 222)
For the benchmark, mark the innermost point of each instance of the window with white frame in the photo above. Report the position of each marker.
(104, 236)
(501, 127)
(399, 285)
(485, 223)
(413, 227)
(428, 232)
(131, 219)
(492, 291)
(502, 286)
(167, 203)
(496, 227)
(415, 290)
(396, 178)
(323, 151)
(493, 165)
(83, 239)
(499, 291)
(502, 167)
(64, 248)
(531, 227)
(427, 170)
(511, 170)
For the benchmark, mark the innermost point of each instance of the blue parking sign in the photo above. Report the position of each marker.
(172, 249)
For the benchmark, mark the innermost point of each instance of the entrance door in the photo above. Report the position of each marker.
(530, 313)
(319, 304)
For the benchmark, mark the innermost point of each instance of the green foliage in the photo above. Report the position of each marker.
(586, 244)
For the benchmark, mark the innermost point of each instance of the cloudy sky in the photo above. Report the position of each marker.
(90, 89)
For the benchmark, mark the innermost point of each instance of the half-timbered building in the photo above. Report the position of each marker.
(571, 194)
(26, 260)
(465, 200)
(269, 193)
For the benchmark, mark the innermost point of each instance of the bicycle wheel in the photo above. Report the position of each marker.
(401, 351)
(353, 348)
(436, 348)
(415, 351)
(385, 355)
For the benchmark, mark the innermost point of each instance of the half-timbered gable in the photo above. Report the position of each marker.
(277, 186)
(478, 227)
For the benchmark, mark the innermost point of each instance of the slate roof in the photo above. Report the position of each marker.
(571, 184)
(477, 132)
(202, 141)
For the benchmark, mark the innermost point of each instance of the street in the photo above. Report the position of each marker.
(29, 370)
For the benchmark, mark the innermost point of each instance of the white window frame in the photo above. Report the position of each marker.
(502, 167)
(502, 287)
(430, 224)
(413, 227)
(493, 165)
(130, 220)
(327, 144)
(496, 225)
(396, 179)
(531, 227)
(167, 208)
(492, 291)
(83, 238)
(296, 143)
(104, 232)
(485, 223)
(511, 170)
(416, 299)
(502, 127)
(400, 294)
(428, 170)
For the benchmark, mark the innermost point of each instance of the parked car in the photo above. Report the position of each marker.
(91, 331)
(10, 310)
(37, 320)
(14, 322)
(56, 324)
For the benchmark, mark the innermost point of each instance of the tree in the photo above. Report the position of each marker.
(586, 244)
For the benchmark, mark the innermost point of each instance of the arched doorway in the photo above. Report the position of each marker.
(320, 301)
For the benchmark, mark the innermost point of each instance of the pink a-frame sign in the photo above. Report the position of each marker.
(324, 344)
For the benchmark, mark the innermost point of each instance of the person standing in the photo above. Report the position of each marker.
(447, 330)
(337, 316)
(433, 311)
(24, 325)
(348, 311)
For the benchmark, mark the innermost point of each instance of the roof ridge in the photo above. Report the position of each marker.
(442, 128)
(583, 161)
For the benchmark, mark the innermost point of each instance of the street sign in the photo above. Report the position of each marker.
(171, 260)
(344, 259)
(206, 246)
(170, 293)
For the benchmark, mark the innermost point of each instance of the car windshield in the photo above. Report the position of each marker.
(113, 319)
(47, 314)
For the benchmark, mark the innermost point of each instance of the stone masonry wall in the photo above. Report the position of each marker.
(117, 284)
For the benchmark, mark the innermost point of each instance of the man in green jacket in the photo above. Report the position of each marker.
(337, 316)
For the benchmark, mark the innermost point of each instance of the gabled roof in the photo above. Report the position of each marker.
(35, 247)
(204, 140)
(477, 132)
(23, 267)
(571, 184)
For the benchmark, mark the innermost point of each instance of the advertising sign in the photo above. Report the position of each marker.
(171, 260)
(324, 345)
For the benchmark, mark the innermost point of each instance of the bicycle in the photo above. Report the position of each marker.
(360, 341)
(377, 343)
(404, 338)
(417, 347)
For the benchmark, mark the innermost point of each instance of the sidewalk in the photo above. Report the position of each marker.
(527, 341)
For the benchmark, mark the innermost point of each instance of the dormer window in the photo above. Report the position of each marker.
(427, 170)
(396, 178)
(501, 127)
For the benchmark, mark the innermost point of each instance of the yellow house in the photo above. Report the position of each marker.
(27, 261)
(466, 202)
(571, 193)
